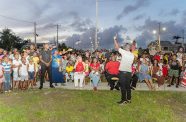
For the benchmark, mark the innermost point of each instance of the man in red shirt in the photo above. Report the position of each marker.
(112, 69)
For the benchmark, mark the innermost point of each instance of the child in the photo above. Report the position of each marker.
(165, 68)
(23, 73)
(1, 76)
(95, 73)
(16, 63)
(87, 67)
(144, 74)
(69, 72)
(31, 72)
(7, 74)
(36, 62)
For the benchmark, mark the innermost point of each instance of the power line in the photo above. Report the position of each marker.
(15, 19)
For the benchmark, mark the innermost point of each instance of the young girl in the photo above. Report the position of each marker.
(1, 76)
(157, 73)
(31, 72)
(16, 63)
(144, 74)
(23, 73)
(36, 63)
(95, 73)
(87, 67)
(69, 72)
(165, 68)
(7, 74)
(79, 74)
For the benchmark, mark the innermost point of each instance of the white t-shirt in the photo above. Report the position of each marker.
(31, 67)
(16, 63)
(127, 59)
(23, 70)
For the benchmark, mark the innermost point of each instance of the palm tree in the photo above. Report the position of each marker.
(176, 38)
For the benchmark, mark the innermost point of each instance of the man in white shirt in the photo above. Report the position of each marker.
(125, 69)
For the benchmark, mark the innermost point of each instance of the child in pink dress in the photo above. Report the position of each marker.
(1, 76)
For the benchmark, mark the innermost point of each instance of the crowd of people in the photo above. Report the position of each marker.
(23, 69)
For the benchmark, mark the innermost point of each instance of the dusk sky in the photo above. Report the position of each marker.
(131, 19)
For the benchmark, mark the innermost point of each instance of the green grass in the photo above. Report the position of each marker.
(59, 105)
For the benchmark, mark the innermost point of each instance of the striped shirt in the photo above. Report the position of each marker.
(6, 67)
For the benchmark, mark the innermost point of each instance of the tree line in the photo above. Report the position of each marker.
(8, 40)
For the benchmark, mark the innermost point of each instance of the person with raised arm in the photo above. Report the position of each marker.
(125, 71)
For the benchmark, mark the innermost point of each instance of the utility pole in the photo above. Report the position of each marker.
(159, 34)
(73, 42)
(96, 33)
(35, 34)
(57, 35)
(54, 39)
(183, 37)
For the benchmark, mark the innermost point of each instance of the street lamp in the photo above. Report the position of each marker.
(164, 28)
(159, 34)
(154, 32)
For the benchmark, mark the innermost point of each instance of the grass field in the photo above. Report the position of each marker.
(59, 105)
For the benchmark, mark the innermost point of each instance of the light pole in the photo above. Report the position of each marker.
(35, 34)
(98, 42)
(183, 31)
(96, 33)
(159, 34)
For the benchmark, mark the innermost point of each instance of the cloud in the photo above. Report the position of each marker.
(138, 17)
(81, 25)
(184, 17)
(105, 38)
(131, 8)
(173, 12)
(147, 36)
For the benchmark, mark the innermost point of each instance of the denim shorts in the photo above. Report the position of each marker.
(31, 75)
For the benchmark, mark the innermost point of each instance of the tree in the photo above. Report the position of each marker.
(62, 46)
(9, 40)
(177, 38)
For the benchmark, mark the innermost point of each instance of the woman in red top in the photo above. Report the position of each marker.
(112, 70)
(95, 73)
(79, 74)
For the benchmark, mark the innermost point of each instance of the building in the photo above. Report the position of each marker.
(166, 46)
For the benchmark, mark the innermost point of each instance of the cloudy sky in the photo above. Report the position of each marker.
(131, 19)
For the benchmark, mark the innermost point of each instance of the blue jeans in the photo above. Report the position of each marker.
(95, 79)
(7, 82)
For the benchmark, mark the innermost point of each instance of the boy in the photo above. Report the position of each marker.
(31, 72)
(7, 74)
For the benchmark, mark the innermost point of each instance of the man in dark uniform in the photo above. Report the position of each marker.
(46, 59)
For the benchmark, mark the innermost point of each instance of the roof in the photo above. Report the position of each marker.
(166, 43)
